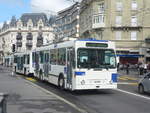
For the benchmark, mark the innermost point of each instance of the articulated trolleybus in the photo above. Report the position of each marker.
(77, 64)
(23, 63)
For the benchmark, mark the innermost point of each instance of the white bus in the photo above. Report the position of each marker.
(77, 65)
(23, 63)
(8, 61)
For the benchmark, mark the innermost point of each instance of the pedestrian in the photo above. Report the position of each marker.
(145, 68)
(141, 68)
(127, 68)
(148, 66)
(118, 66)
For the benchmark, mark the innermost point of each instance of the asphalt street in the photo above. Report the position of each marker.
(124, 100)
(24, 97)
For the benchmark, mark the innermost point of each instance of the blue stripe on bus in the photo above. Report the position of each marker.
(80, 73)
(91, 39)
(114, 77)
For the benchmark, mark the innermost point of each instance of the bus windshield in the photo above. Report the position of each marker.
(96, 58)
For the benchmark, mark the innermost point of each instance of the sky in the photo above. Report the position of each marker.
(9, 8)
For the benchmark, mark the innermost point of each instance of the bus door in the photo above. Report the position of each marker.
(37, 62)
(46, 64)
(70, 59)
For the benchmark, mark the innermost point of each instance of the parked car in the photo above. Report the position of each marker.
(144, 84)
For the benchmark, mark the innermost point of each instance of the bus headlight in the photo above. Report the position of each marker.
(82, 82)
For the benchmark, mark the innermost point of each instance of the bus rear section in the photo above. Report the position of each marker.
(23, 63)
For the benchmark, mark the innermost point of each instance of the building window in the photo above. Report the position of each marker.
(133, 21)
(119, 6)
(133, 35)
(118, 20)
(98, 18)
(134, 5)
(118, 35)
(101, 8)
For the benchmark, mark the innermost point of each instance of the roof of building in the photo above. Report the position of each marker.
(35, 17)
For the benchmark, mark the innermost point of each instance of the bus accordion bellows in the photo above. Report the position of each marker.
(77, 64)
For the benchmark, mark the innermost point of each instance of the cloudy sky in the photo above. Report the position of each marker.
(9, 8)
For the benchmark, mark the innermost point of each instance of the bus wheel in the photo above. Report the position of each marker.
(61, 82)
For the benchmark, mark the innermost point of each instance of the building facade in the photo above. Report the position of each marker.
(126, 22)
(67, 22)
(31, 30)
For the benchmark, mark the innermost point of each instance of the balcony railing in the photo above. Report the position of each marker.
(29, 36)
(39, 44)
(98, 21)
(29, 44)
(19, 36)
(19, 44)
(147, 40)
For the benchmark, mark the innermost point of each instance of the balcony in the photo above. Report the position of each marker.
(29, 36)
(39, 43)
(39, 37)
(19, 44)
(147, 40)
(19, 36)
(98, 21)
(29, 44)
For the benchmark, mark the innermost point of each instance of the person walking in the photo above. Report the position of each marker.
(127, 68)
(145, 68)
(141, 68)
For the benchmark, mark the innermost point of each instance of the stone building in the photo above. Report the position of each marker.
(31, 30)
(125, 22)
(67, 22)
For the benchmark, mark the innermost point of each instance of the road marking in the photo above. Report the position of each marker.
(127, 78)
(122, 78)
(128, 83)
(134, 94)
(130, 78)
(30, 79)
(58, 97)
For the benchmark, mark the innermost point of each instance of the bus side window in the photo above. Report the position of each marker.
(41, 57)
(28, 59)
(62, 56)
(72, 54)
(53, 56)
(46, 59)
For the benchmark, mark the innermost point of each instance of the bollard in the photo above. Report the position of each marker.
(3, 102)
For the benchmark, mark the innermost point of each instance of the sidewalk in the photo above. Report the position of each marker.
(132, 73)
(25, 98)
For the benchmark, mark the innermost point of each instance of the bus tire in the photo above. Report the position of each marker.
(61, 82)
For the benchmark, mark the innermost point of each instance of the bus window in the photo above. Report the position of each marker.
(15, 59)
(62, 56)
(96, 58)
(46, 57)
(24, 57)
(41, 57)
(33, 57)
(28, 59)
(53, 56)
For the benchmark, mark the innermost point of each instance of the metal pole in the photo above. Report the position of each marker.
(3, 102)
